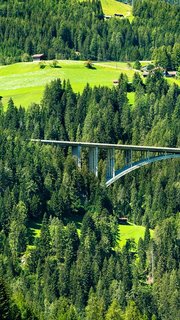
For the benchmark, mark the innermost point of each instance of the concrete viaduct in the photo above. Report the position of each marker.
(145, 155)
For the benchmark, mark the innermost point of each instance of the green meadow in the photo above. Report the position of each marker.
(131, 231)
(34, 231)
(25, 82)
(110, 7)
(125, 231)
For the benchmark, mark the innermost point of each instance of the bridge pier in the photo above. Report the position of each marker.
(93, 160)
(110, 164)
(147, 155)
(142, 154)
(128, 157)
(76, 152)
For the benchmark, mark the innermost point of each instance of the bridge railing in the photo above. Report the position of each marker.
(130, 152)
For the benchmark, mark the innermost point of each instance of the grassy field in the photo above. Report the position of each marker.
(172, 80)
(110, 7)
(131, 231)
(34, 231)
(128, 231)
(25, 82)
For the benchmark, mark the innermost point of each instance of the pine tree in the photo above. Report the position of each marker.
(4, 302)
(147, 237)
(114, 312)
(132, 312)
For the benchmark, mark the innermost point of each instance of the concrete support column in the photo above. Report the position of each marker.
(93, 160)
(147, 154)
(128, 157)
(76, 152)
(110, 164)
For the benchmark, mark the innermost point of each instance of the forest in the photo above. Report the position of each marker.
(74, 29)
(72, 274)
(72, 267)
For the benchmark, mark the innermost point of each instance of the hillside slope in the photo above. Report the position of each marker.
(25, 81)
(77, 30)
(64, 275)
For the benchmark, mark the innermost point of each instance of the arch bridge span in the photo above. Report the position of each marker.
(132, 156)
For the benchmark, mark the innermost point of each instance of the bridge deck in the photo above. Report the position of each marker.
(109, 146)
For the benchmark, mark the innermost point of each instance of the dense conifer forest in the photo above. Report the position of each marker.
(73, 268)
(65, 274)
(74, 29)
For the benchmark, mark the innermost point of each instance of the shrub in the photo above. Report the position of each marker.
(42, 65)
(54, 64)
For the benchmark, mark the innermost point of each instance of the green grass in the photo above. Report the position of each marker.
(110, 7)
(131, 97)
(131, 231)
(34, 231)
(25, 82)
(125, 232)
(172, 80)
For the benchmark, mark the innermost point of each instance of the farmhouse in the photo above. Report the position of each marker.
(37, 57)
(146, 72)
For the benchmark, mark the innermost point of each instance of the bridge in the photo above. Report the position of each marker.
(132, 156)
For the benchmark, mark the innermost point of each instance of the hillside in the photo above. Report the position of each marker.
(78, 30)
(73, 247)
(25, 82)
(49, 270)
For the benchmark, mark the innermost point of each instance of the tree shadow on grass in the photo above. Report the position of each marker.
(57, 67)
(91, 68)
(33, 227)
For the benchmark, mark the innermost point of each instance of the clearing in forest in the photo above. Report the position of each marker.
(131, 231)
(25, 82)
(110, 7)
(125, 231)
